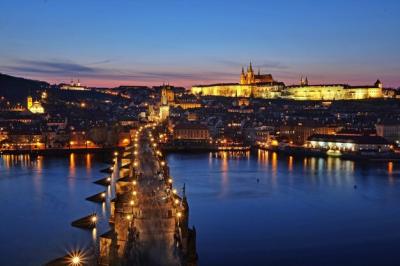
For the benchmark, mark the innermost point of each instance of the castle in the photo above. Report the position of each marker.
(264, 86)
(250, 85)
(249, 77)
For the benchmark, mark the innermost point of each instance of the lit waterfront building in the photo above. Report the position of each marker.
(264, 86)
(193, 132)
(348, 143)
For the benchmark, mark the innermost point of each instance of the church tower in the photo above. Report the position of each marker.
(250, 74)
(378, 84)
(29, 102)
(242, 77)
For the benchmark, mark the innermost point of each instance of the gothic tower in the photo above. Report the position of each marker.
(250, 74)
(242, 77)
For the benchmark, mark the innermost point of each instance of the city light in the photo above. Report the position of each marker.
(76, 260)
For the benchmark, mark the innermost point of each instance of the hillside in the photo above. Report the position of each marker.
(17, 89)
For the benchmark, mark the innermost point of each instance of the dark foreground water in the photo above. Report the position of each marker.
(262, 209)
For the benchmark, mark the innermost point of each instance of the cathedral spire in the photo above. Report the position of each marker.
(251, 67)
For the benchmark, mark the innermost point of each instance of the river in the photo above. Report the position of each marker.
(257, 209)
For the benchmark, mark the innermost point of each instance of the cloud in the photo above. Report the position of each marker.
(97, 71)
(50, 67)
(267, 64)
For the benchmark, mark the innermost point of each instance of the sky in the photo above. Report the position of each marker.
(186, 42)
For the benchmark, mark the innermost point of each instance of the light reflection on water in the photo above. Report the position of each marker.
(247, 208)
(40, 197)
(271, 209)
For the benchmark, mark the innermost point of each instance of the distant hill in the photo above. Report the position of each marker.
(17, 89)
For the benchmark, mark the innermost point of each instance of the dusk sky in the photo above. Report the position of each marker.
(131, 42)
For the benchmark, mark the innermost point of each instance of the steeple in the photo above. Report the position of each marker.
(242, 77)
(306, 81)
(378, 84)
(250, 67)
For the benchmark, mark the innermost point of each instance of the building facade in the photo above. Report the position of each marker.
(264, 86)
(389, 131)
(192, 132)
(333, 92)
(349, 143)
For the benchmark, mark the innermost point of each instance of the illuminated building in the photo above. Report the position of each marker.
(333, 91)
(299, 133)
(250, 85)
(264, 86)
(348, 143)
(34, 106)
(187, 102)
(167, 95)
(166, 98)
(73, 86)
(191, 132)
(164, 112)
(249, 77)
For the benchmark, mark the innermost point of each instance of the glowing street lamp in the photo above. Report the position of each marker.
(76, 260)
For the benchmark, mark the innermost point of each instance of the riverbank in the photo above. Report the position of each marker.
(300, 151)
(61, 151)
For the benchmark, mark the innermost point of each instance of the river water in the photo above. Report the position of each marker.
(258, 209)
